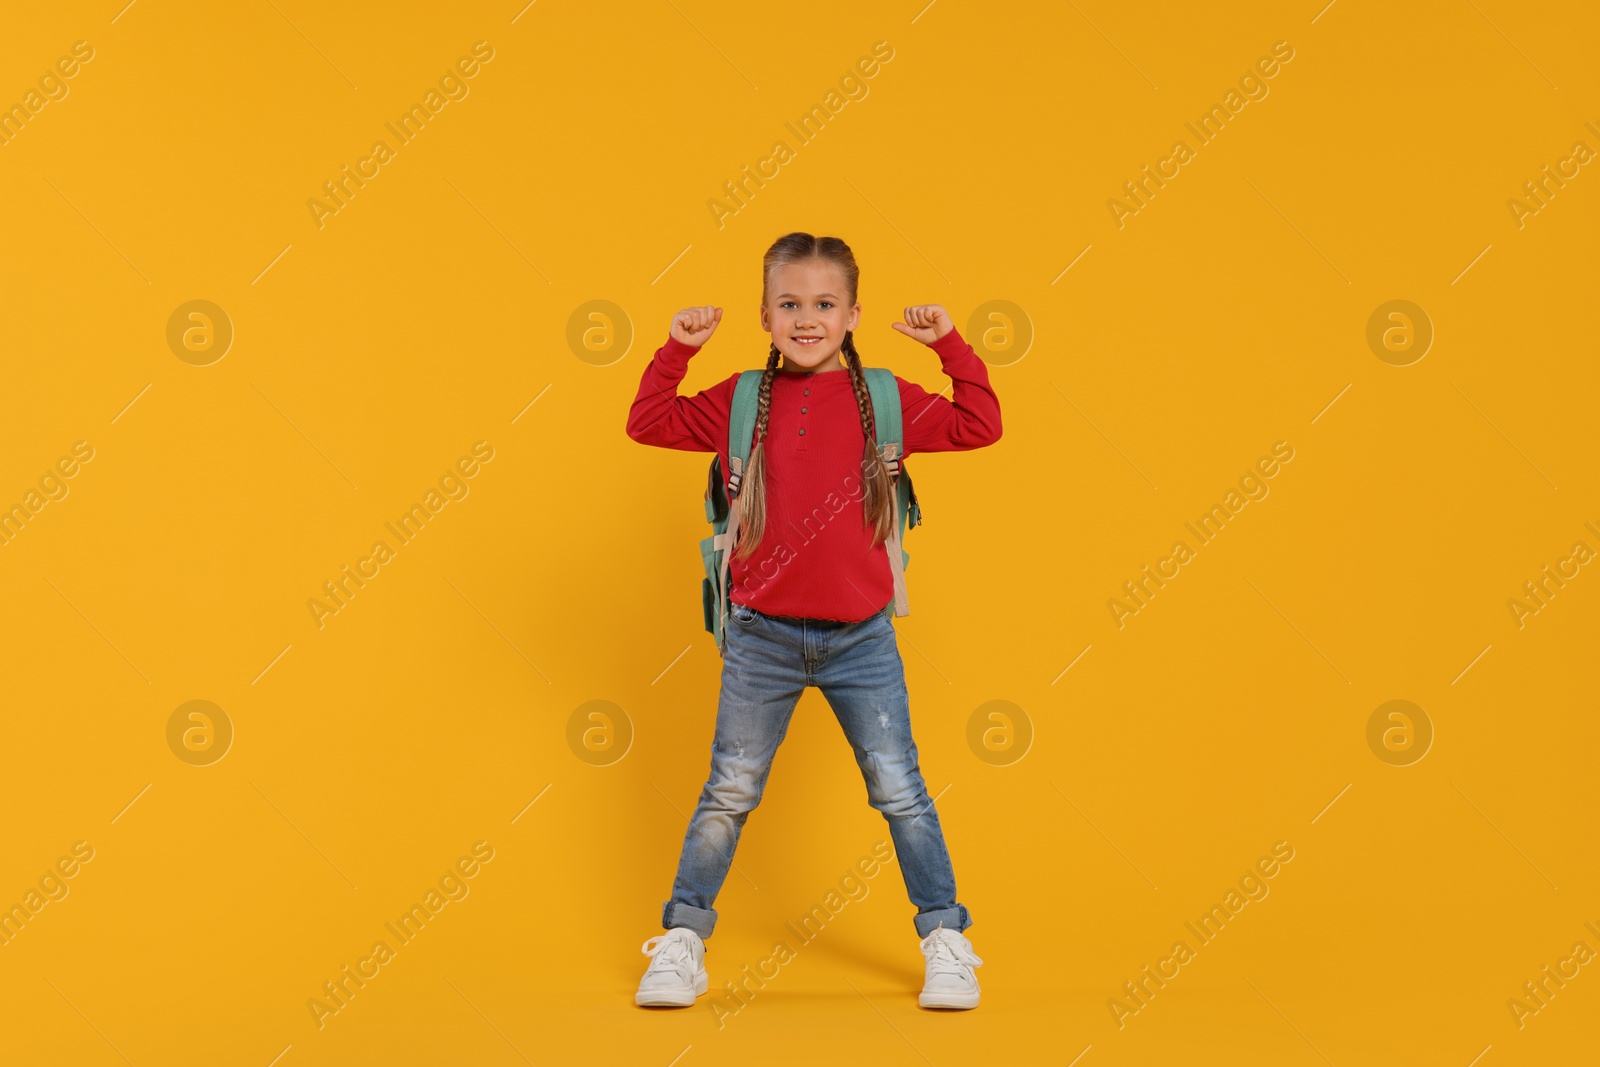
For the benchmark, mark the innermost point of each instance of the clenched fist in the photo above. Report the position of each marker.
(925, 322)
(694, 326)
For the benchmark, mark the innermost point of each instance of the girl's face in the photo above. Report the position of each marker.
(807, 301)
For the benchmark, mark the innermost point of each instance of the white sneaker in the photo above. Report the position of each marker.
(950, 982)
(677, 971)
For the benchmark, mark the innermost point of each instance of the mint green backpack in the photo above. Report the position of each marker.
(723, 503)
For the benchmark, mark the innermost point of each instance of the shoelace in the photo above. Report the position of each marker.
(948, 951)
(668, 952)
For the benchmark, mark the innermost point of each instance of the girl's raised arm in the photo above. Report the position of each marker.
(971, 419)
(659, 416)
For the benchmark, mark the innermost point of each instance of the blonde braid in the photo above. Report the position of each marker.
(877, 502)
(753, 486)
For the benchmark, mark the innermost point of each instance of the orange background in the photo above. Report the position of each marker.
(1116, 801)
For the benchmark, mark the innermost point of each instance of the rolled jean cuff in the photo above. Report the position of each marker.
(700, 920)
(955, 918)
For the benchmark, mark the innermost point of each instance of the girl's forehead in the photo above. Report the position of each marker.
(812, 274)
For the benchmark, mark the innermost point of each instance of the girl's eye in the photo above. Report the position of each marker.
(826, 303)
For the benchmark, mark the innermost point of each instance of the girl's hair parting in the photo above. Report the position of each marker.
(878, 498)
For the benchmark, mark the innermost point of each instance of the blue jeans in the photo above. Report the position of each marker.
(767, 663)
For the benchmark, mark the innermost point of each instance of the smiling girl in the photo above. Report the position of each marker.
(821, 618)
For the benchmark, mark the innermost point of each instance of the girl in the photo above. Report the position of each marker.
(818, 505)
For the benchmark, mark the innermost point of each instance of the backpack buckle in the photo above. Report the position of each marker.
(890, 454)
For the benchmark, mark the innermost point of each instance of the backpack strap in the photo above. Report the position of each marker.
(885, 393)
(741, 431)
(742, 426)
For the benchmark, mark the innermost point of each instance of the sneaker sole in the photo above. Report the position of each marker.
(673, 998)
(960, 1001)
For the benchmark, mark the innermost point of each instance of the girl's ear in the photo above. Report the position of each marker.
(855, 318)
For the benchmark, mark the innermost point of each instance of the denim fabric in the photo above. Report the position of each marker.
(768, 662)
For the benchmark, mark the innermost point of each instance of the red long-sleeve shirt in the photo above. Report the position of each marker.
(816, 558)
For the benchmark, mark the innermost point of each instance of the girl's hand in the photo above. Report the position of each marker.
(926, 323)
(694, 326)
